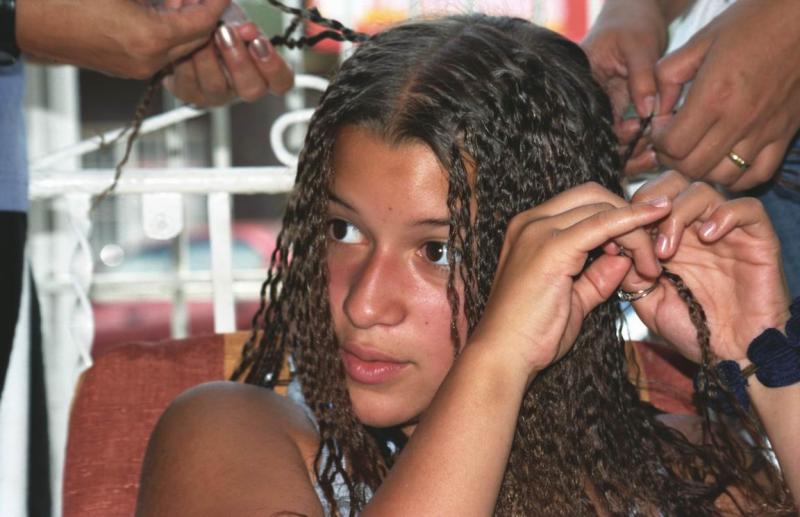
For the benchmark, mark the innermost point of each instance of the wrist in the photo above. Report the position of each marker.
(9, 50)
(671, 9)
(499, 364)
(773, 361)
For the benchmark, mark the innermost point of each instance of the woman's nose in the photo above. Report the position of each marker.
(376, 295)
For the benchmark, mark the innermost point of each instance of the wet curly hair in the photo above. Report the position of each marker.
(518, 103)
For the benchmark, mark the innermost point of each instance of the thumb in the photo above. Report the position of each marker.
(601, 279)
(191, 25)
(677, 69)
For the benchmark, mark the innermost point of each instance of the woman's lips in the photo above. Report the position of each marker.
(367, 367)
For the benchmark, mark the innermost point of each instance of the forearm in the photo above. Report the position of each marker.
(118, 37)
(671, 9)
(455, 460)
(779, 411)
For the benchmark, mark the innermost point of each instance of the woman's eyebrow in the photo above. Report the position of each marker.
(432, 222)
(333, 197)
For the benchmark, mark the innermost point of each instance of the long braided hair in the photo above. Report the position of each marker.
(519, 103)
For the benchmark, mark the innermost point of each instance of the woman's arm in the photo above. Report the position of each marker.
(729, 256)
(779, 411)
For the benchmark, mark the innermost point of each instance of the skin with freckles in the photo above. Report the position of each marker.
(388, 271)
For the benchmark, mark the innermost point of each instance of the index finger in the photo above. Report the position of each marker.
(623, 225)
(678, 136)
(585, 194)
(642, 82)
(670, 184)
(271, 66)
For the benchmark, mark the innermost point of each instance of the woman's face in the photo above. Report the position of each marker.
(387, 261)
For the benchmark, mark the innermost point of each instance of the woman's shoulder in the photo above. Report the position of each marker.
(233, 401)
(254, 447)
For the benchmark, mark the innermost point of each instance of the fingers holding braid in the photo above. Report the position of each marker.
(591, 195)
(727, 251)
(201, 78)
(545, 252)
(710, 211)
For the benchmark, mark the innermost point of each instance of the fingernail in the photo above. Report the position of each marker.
(233, 14)
(649, 106)
(261, 48)
(708, 229)
(662, 244)
(658, 202)
(225, 37)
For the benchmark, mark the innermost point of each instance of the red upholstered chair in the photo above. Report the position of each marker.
(116, 407)
(121, 397)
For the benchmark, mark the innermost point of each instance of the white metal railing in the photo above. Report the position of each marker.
(194, 180)
(178, 115)
(217, 182)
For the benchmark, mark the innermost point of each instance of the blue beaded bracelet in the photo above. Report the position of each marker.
(774, 358)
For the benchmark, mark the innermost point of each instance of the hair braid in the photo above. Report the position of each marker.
(142, 107)
(336, 30)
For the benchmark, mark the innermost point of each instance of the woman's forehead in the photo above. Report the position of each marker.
(354, 144)
(370, 173)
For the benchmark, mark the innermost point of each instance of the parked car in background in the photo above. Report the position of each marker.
(135, 303)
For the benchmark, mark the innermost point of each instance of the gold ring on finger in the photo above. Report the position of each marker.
(739, 161)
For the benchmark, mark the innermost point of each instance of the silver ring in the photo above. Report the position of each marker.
(632, 296)
(739, 161)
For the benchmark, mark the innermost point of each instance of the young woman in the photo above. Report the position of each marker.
(444, 290)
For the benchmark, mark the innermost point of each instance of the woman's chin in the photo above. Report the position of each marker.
(380, 412)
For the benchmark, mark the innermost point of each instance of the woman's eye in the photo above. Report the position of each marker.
(436, 252)
(343, 231)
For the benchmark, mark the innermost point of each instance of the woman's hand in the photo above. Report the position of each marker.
(727, 254)
(743, 97)
(543, 289)
(238, 62)
(623, 46)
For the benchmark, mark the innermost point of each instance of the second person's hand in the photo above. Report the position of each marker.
(125, 38)
(743, 105)
(238, 62)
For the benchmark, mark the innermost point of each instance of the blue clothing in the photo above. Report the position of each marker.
(13, 158)
(342, 494)
(782, 202)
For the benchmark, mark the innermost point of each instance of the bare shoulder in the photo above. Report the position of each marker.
(225, 448)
